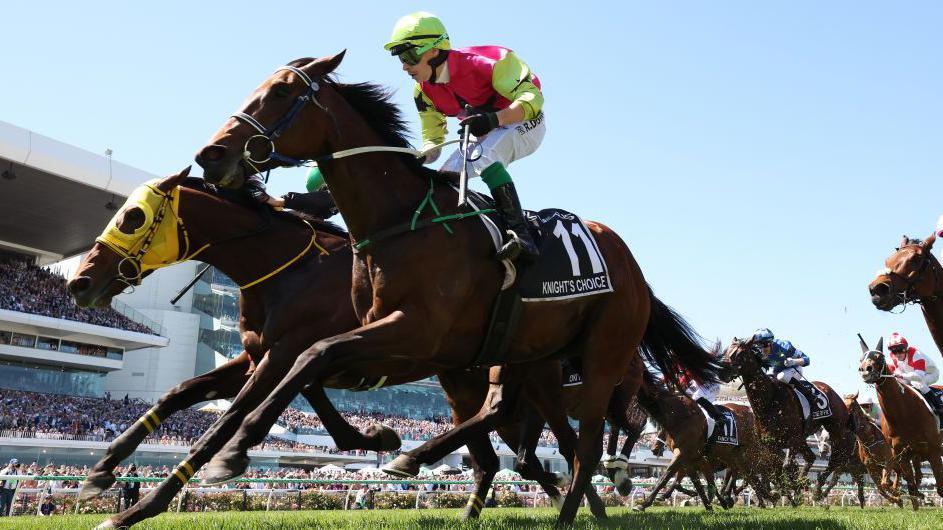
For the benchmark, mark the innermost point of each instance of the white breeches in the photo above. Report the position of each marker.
(505, 144)
(788, 374)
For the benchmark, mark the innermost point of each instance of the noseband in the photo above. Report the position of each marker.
(907, 295)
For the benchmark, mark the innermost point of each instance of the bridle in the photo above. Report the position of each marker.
(270, 134)
(907, 296)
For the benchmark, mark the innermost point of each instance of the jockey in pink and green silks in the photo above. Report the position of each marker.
(506, 117)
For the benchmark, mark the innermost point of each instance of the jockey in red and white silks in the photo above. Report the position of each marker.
(910, 365)
(702, 392)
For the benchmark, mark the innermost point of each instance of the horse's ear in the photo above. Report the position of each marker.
(326, 65)
(904, 241)
(173, 181)
(928, 242)
(880, 346)
(864, 345)
(855, 398)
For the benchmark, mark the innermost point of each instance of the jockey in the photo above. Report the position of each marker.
(317, 202)
(910, 366)
(506, 115)
(784, 360)
(702, 393)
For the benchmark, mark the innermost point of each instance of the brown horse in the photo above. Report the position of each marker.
(906, 421)
(779, 414)
(423, 297)
(279, 315)
(873, 451)
(912, 275)
(686, 427)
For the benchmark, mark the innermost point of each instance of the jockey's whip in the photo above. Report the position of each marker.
(189, 285)
(463, 175)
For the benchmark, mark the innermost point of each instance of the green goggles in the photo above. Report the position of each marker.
(410, 54)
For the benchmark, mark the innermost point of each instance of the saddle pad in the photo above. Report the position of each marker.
(572, 372)
(722, 433)
(819, 408)
(570, 264)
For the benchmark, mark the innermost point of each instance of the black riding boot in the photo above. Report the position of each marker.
(712, 411)
(509, 206)
(934, 399)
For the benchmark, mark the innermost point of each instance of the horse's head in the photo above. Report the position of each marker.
(741, 356)
(284, 121)
(851, 401)
(726, 372)
(141, 237)
(904, 277)
(873, 366)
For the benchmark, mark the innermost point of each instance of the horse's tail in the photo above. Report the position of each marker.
(670, 343)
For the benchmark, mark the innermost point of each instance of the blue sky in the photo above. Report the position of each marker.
(760, 158)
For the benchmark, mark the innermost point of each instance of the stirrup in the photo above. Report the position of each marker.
(516, 246)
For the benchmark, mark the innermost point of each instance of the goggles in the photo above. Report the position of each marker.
(410, 54)
(898, 349)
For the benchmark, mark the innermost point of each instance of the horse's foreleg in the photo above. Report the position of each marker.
(366, 346)
(268, 372)
(859, 480)
(909, 477)
(346, 437)
(220, 383)
(699, 488)
(486, 465)
(936, 464)
(505, 386)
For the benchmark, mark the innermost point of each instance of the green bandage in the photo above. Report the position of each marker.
(495, 175)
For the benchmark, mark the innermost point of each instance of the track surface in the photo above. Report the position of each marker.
(507, 518)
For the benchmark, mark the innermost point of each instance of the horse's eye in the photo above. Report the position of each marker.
(281, 90)
(131, 220)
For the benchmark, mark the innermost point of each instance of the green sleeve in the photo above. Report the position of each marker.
(512, 79)
(432, 121)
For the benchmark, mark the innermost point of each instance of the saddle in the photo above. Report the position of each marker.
(936, 396)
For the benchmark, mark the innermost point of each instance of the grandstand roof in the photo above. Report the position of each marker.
(53, 195)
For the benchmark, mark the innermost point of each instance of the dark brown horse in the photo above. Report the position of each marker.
(906, 421)
(912, 275)
(291, 308)
(423, 297)
(873, 451)
(779, 415)
(686, 429)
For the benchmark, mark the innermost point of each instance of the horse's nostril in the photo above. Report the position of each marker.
(211, 154)
(79, 285)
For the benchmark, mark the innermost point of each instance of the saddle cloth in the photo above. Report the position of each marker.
(722, 433)
(572, 372)
(818, 409)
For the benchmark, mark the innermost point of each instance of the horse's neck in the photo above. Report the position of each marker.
(892, 399)
(373, 191)
(933, 313)
(760, 389)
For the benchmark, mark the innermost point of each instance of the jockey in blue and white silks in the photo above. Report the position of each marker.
(784, 360)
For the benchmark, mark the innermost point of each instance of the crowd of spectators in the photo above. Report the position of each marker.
(31, 289)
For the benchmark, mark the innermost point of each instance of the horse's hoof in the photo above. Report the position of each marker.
(95, 485)
(222, 470)
(386, 438)
(402, 466)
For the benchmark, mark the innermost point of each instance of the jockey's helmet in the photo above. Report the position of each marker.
(897, 343)
(415, 34)
(763, 336)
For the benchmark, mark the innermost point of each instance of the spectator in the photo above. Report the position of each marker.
(48, 507)
(8, 487)
(131, 491)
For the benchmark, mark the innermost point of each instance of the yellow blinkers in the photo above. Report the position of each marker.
(155, 243)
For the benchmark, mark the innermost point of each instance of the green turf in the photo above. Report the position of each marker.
(507, 518)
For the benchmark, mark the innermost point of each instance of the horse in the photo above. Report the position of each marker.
(687, 437)
(912, 275)
(424, 292)
(292, 270)
(906, 421)
(873, 452)
(779, 415)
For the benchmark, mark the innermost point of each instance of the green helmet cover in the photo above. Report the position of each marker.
(420, 29)
(315, 180)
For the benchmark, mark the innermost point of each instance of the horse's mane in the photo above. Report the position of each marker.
(374, 103)
(240, 198)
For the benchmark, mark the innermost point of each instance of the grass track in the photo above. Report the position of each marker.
(508, 518)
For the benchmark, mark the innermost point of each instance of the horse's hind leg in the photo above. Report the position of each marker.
(220, 383)
(486, 466)
(699, 488)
